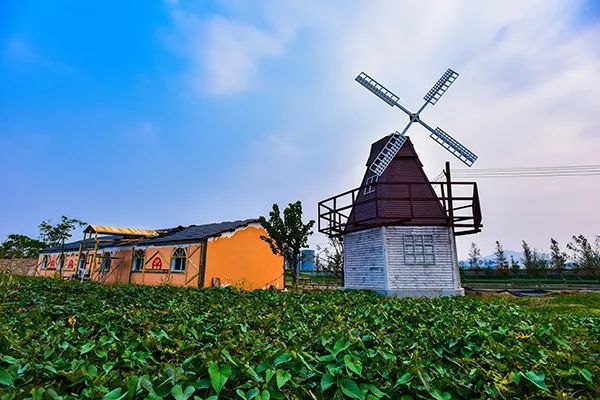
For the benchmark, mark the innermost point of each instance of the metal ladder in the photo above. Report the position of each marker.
(387, 154)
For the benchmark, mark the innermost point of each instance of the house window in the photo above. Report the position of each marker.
(105, 265)
(45, 262)
(178, 260)
(370, 184)
(60, 262)
(82, 261)
(418, 249)
(138, 260)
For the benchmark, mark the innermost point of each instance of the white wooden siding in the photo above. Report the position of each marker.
(439, 275)
(364, 260)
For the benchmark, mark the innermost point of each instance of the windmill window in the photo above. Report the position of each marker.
(45, 262)
(105, 266)
(370, 184)
(419, 249)
(138, 260)
(60, 262)
(178, 260)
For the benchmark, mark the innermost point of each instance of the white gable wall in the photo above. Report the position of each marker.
(375, 259)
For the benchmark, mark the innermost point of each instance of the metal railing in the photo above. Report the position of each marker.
(458, 200)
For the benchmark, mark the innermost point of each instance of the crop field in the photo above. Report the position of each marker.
(69, 340)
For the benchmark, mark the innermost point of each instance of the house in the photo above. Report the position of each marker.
(398, 228)
(218, 254)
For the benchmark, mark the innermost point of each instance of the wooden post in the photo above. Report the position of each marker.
(450, 206)
(92, 267)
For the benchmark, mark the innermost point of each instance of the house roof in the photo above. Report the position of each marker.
(180, 234)
(105, 229)
(198, 232)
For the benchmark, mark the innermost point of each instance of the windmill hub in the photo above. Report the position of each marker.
(414, 117)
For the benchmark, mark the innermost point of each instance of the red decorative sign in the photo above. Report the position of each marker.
(71, 264)
(52, 264)
(156, 263)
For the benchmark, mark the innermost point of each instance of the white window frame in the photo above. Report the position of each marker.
(136, 258)
(105, 266)
(370, 182)
(419, 249)
(174, 258)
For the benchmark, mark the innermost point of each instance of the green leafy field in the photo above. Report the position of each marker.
(73, 340)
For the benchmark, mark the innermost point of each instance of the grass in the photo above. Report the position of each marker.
(71, 340)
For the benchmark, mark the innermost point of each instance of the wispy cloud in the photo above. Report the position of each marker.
(526, 95)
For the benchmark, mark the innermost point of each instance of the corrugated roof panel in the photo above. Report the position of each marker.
(111, 230)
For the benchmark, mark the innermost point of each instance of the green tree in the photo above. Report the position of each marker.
(57, 234)
(475, 258)
(20, 246)
(534, 262)
(331, 257)
(558, 258)
(514, 266)
(287, 235)
(501, 261)
(585, 255)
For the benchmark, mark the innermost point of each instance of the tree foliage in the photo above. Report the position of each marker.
(585, 254)
(501, 261)
(533, 261)
(20, 246)
(57, 234)
(287, 235)
(475, 257)
(331, 258)
(558, 258)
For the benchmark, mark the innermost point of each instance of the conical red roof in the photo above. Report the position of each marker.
(403, 195)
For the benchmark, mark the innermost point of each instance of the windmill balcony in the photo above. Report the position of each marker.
(454, 204)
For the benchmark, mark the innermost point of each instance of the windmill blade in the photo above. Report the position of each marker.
(453, 146)
(387, 154)
(377, 88)
(440, 86)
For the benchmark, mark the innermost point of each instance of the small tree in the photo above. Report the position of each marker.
(585, 255)
(475, 258)
(501, 261)
(534, 262)
(55, 235)
(287, 235)
(331, 258)
(514, 266)
(20, 246)
(558, 258)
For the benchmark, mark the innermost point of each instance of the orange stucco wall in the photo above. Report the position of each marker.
(240, 259)
(243, 260)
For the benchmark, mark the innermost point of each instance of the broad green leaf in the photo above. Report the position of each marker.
(352, 364)
(285, 357)
(241, 393)
(282, 378)
(5, 378)
(252, 393)
(180, 394)
(350, 388)
(326, 381)
(86, 348)
(440, 396)
(404, 379)
(586, 374)
(114, 394)
(562, 342)
(218, 376)
(537, 379)
(265, 395)
(9, 359)
(253, 374)
(269, 373)
(375, 390)
(37, 393)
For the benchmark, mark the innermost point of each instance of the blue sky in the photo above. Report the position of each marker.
(159, 113)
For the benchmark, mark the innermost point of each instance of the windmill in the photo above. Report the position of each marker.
(397, 139)
(398, 228)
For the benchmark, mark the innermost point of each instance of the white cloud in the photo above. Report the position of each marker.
(526, 96)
